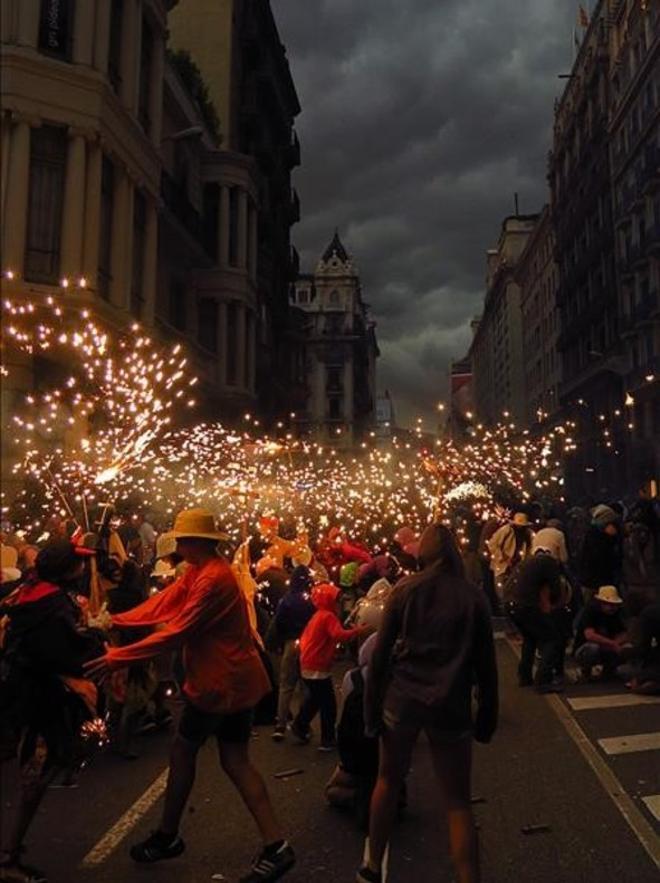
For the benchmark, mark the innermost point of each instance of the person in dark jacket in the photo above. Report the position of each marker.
(44, 695)
(293, 613)
(434, 643)
(536, 594)
(601, 561)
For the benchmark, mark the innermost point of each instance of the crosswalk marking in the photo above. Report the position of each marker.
(611, 700)
(653, 805)
(629, 744)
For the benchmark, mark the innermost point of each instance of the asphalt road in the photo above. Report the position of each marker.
(534, 773)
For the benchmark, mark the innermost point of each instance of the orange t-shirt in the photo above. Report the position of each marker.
(205, 612)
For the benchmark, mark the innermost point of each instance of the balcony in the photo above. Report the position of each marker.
(176, 200)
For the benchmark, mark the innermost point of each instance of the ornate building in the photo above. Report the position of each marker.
(341, 350)
(238, 49)
(118, 192)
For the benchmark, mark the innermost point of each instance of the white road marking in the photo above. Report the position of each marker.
(611, 700)
(630, 811)
(112, 838)
(629, 744)
(386, 859)
(653, 805)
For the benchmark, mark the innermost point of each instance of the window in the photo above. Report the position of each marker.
(211, 218)
(137, 276)
(335, 299)
(105, 227)
(233, 227)
(334, 379)
(232, 343)
(303, 296)
(56, 28)
(48, 145)
(114, 49)
(146, 56)
(178, 305)
(334, 408)
(208, 324)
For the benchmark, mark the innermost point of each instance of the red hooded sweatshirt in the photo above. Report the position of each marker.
(318, 643)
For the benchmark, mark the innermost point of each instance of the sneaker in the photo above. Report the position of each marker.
(366, 875)
(327, 746)
(301, 737)
(156, 847)
(278, 734)
(16, 872)
(272, 863)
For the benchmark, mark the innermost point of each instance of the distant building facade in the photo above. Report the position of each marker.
(537, 276)
(496, 351)
(341, 350)
(461, 399)
(238, 49)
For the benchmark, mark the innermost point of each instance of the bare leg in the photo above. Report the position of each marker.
(235, 761)
(453, 766)
(395, 751)
(183, 761)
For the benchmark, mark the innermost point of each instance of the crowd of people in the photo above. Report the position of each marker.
(99, 630)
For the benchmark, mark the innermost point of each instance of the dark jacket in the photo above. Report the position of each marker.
(43, 623)
(435, 640)
(295, 609)
(601, 559)
(532, 577)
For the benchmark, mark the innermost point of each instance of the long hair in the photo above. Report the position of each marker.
(439, 549)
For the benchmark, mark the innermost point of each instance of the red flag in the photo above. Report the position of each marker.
(583, 17)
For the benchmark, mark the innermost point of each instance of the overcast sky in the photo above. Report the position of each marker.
(420, 120)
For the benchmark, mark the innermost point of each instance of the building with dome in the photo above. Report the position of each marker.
(340, 350)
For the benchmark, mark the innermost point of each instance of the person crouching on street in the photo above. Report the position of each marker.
(601, 637)
(318, 645)
(205, 612)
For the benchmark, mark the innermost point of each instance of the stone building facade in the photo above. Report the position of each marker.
(341, 350)
(496, 351)
(117, 192)
(537, 276)
(634, 133)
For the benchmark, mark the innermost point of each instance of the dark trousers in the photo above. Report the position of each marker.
(539, 632)
(319, 697)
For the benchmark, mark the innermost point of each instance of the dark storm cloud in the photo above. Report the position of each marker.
(421, 118)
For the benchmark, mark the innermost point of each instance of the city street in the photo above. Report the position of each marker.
(533, 774)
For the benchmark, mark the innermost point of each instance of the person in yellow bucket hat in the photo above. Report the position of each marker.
(601, 637)
(205, 613)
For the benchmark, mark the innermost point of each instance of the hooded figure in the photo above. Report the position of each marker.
(296, 608)
(369, 610)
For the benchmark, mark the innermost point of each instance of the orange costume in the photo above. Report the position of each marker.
(205, 612)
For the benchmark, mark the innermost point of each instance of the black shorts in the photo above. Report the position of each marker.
(196, 725)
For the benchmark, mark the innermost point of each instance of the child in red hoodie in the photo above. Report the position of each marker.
(318, 644)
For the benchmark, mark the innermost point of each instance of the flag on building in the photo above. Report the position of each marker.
(583, 17)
